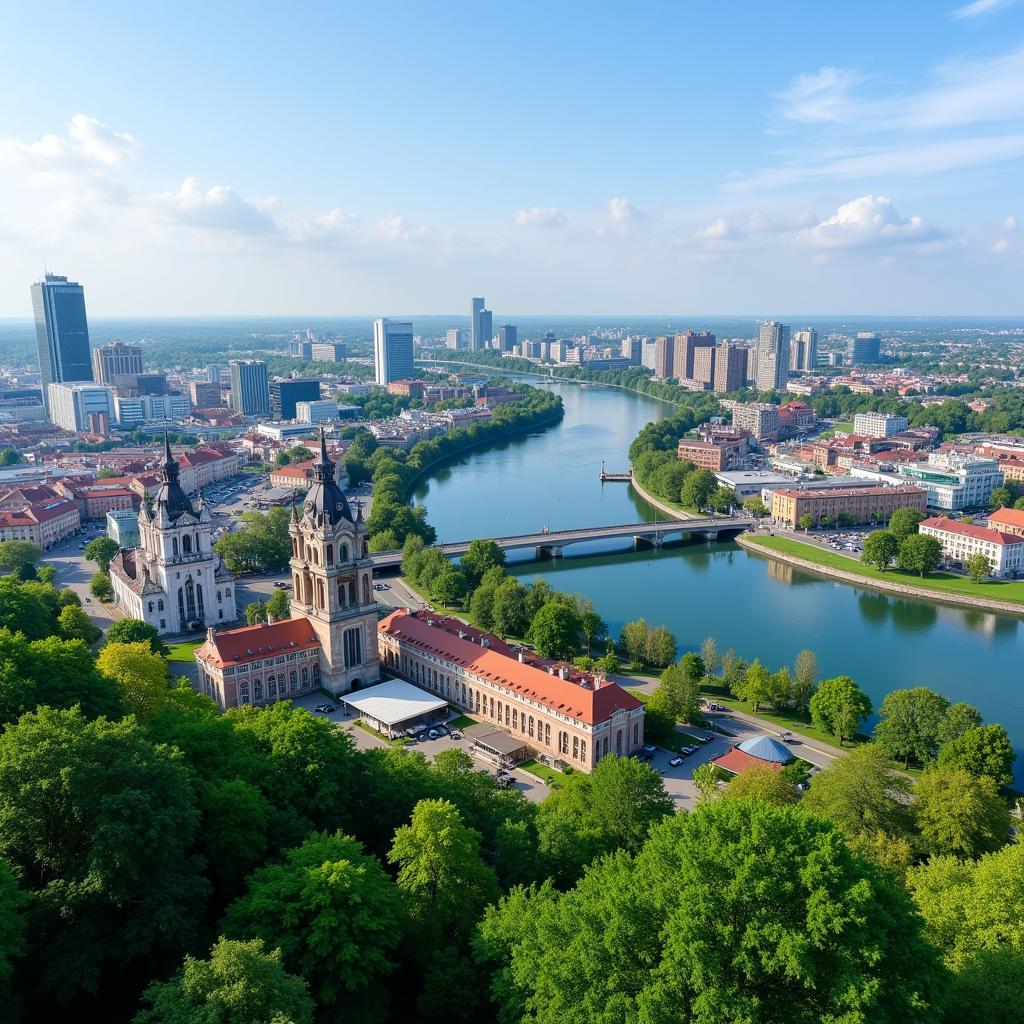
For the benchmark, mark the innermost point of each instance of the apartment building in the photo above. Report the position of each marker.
(864, 504)
(1004, 551)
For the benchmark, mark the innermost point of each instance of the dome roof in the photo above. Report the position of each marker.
(326, 500)
(767, 749)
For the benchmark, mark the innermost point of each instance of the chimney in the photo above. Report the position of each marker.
(521, 658)
(462, 636)
(270, 619)
(209, 634)
(551, 670)
(562, 673)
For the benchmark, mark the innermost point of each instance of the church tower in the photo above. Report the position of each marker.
(332, 581)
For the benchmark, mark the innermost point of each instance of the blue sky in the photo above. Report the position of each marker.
(563, 157)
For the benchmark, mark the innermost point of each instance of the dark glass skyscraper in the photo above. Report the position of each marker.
(62, 332)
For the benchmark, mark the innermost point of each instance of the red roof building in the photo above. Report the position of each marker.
(736, 761)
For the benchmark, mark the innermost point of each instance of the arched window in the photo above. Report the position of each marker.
(220, 597)
(344, 552)
(293, 680)
(227, 591)
(181, 605)
(330, 554)
(257, 691)
(186, 544)
(547, 735)
(531, 726)
(174, 546)
(575, 748)
(618, 742)
(583, 750)
(272, 687)
(199, 596)
(341, 593)
(243, 694)
(366, 590)
(190, 598)
(316, 674)
(305, 677)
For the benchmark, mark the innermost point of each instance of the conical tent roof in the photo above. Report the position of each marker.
(767, 749)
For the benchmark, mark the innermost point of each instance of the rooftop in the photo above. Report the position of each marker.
(970, 530)
(1008, 517)
(393, 702)
(252, 643)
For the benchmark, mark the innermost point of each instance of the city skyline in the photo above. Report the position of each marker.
(873, 175)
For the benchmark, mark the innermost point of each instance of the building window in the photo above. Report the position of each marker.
(151, 606)
(563, 742)
(499, 712)
(160, 605)
(305, 676)
(293, 679)
(636, 733)
(257, 691)
(583, 750)
(575, 748)
(618, 742)
(353, 647)
(547, 735)
(531, 726)
(163, 623)
(243, 694)
(272, 687)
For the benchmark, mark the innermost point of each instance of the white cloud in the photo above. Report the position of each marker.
(869, 221)
(979, 7)
(820, 96)
(540, 217)
(624, 215)
(397, 229)
(219, 207)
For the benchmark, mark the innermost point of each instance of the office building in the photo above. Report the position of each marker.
(1004, 551)
(205, 395)
(730, 368)
(632, 349)
(772, 356)
(456, 338)
(803, 350)
(508, 337)
(285, 393)
(133, 411)
(78, 407)
(703, 375)
(62, 332)
(123, 526)
(686, 348)
(115, 360)
(393, 350)
(250, 388)
(865, 348)
(954, 481)
(866, 504)
(879, 424)
(475, 334)
(760, 418)
(664, 357)
(213, 373)
(329, 351)
(486, 322)
(317, 411)
(132, 385)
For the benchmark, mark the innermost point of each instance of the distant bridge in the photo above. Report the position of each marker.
(550, 543)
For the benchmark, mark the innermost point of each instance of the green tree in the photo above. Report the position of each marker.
(255, 612)
(481, 606)
(698, 488)
(99, 823)
(706, 782)
(756, 507)
(481, 556)
(20, 557)
(1001, 497)
(610, 663)
(959, 813)
(805, 522)
(910, 724)
(9, 457)
(880, 549)
(919, 553)
(141, 674)
(983, 750)
(678, 693)
(74, 624)
(904, 522)
(262, 542)
(978, 567)
(805, 679)
(385, 540)
(279, 605)
(101, 550)
(100, 586)
(510, 609)
(710, 656)
(957, 720)
(538, 595)
(763, 784)
(755, 686)
(592, 626)
(335, 916)
(12, 930)
(48, 574)
(661, 647)
(635, 642)
(555, 631)
(839, 707)
(130, 631)
(241, 983)
(412, 556)
(449, 586)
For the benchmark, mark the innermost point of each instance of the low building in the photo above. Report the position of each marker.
(879, 424)
(716, 448)
(748, 483)
(864, 504)
(321, 411)
(955, 481)
(43, 525)
(123, 527)
(796, 416)
(284, 431)
(406, 388)
(556, 710)
(77, 408)
(1007, 520)
(1004, 551)
(756, 752)
(395, 706)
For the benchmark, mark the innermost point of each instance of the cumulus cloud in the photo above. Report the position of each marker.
(624, 216)
(396, 228)
(540, 217)
(219, 207)
(869, 221)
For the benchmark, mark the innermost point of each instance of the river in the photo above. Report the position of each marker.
(758, 607)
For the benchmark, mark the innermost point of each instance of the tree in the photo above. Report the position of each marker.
(12, 929)
(904, 522)
(756, 507)
(130, 631)
(279, 605)
(255, 612)
(335, 916)
(805, 522)
(101, 550)
(262, 542)
(661, 647)
(919, 553)
(910, 723)
(763, 784)
(141, 674)
(592, 626)
(698, 488)
(99, 823)
(74, 624)
(443, 880)
(510, 615)
(978, 567)
(9, 457)
(100, 586)
(706, 782)
(635, 641)
(48, 574)
(982, 750)
(555, 631)
(449, 587)
(722, 499)
(960, 814)
(957, 720)
(839, 707)
(880, 549)
(20, 557)
(481, 556)
(1001, 497)
(710, 656)
(678, 694)
(241, 983)
(537, 596)
(755, 686)
(385, 540)
(805, 679)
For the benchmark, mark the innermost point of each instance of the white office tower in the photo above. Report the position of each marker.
(392, 350)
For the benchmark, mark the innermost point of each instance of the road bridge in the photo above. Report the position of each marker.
(550, 543)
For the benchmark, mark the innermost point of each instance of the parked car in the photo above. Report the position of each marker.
(324, 709)
(433, 734)
(676, 761)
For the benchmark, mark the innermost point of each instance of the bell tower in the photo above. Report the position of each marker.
(332, 581)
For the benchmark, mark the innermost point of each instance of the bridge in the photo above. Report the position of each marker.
(550, 543)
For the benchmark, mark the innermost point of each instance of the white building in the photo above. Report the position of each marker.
(174, 579)
(392, 350)
(954, 481)
(1004, 551)
(130, 412)
(321, 411)
(879, 424)
(80, 407)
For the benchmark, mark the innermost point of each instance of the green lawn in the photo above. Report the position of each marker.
(553, 779)
(400, 742)
(941, 582)
(680, 739)
(462, 722)
(183, 652)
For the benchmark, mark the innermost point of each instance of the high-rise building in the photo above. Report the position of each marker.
(393, 349)
(703, 375)
(62, 332)
(205, 395)
(115, 359)
(686, 346)
(508, 337)
(730, 372)
(455, 338)
(866, 348)
(78, 407)
(475, 334)
(285, 393)
(664, 352)
(328, 351)
(131, 385)
(772, 356)
(213, 373)
(803, 349)
(632, 349)
(486, 321)
(250, 387)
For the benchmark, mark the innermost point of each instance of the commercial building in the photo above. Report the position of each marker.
(1004, 551)
(954, 481)
(476, 336)
(406, 388)
(761, 419)
(393, 350)
(508, 337)
(319, 411)
(205, 395)
(62, 332)
(485, 326)
(250, 387)
(284, 394)
(329, 351)
(716, 447)
(1007, 520)
(803, 349)
(865, 348)
(115, 360)
(553, 710)
(772, 356)
(879, 424)
(730, 368)
(81, 407)
(456, 338)
(749, 483)
(123, 527)
(864, 504)
(131, 412)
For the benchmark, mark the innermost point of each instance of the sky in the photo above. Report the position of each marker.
(392, 158)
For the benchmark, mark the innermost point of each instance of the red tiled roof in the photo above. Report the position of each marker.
(561, 695)
(832, 492)
(1008, 517)
(36, 514)
(737, 761)
(251, 643)
(970, 530)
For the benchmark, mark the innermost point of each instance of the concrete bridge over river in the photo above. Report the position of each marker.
(550, 543)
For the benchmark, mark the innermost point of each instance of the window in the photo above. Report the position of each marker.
(160, 605)
(305, 676)
(563, 742)
(353, 647)
(150, 605)
(219, 597)
(330, 554)
(163, 623)
(575, 748)
(636, 733)
(272, 687)
(583, 750)
(257, 691)
(618, 742)
(243, 693)
(293, 679)
(547, 735)
(499, 712)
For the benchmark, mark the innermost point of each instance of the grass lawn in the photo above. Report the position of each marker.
(400, 742)
(183, 652)
(940, 582)
(462, 722)
(680, 739)
(553, 779)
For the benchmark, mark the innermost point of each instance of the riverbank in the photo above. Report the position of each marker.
(941, 587)
(670, 509)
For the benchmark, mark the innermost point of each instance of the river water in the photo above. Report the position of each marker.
(758, 607)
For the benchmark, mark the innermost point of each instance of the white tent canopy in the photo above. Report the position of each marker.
(393, 702)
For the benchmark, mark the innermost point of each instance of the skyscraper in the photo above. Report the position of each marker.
(866, 348)
(115, 360)
(686, 346)
(772, 356)
(392, 349)
(730, 370)
(284, 394)
(508, 337)
(486, 321)
(456, 338)
(62, 332)
(664, 351)
(475, 335)
(803, 349)
(250, 388)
